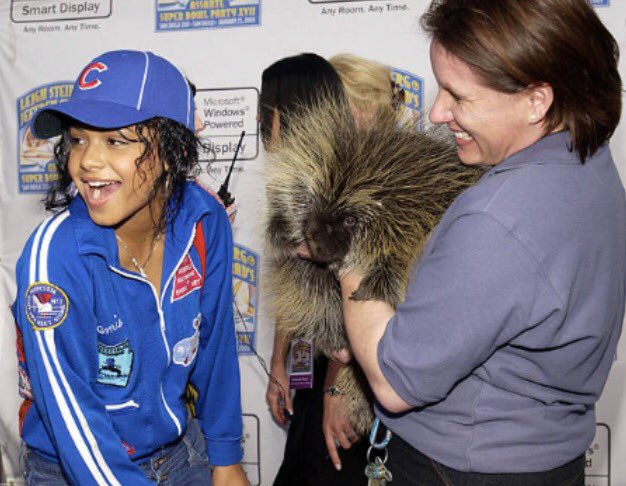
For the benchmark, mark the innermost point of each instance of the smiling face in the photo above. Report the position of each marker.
(488, 125)
(103, 166)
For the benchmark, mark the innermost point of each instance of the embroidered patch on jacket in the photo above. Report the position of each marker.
(24, 387)
(130, 450)
(25, 390)
(114, 364)
(46, 305)
(186, 280)
(186, 349)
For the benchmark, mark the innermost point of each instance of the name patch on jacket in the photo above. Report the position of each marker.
(46, 305)
(186, 349)
(106, 330)
(114, 364)
(186, 280)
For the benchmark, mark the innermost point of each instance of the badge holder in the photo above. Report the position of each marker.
(300, 364)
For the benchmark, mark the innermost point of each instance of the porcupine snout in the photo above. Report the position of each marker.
(327, 238)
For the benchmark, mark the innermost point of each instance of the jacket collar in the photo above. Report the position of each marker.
(100, 240)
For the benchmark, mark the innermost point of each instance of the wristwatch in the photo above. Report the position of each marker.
(333, 391)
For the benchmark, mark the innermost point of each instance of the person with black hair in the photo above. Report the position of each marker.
(288, 85)
(125, 293)
(322, 446)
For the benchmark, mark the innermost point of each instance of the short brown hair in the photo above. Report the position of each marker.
(514, 44)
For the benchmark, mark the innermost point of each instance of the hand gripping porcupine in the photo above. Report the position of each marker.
(360, 198)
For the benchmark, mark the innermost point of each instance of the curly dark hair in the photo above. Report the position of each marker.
(175, 146)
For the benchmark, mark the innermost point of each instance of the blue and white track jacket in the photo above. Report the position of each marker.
(106, 360)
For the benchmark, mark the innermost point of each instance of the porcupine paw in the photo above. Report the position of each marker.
(365, 292)
(385, 283)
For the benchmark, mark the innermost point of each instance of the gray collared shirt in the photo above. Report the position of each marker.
(512, 317)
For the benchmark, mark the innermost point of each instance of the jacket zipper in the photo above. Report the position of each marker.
(167, 348)
(159, 303)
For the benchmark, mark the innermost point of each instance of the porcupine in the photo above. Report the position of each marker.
(364, 198)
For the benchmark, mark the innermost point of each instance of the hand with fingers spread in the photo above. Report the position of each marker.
(338, 431)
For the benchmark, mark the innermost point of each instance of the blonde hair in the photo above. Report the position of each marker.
(367, 83)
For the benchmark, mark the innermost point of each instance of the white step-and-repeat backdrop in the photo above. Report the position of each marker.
(222, 46)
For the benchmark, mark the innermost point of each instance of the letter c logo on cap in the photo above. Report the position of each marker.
(82, 81)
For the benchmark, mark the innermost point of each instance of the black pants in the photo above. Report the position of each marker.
(412, 468)
(306, 460)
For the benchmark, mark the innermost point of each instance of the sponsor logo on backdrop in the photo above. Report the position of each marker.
(36, 168)
(413, 87)
(245, 297)
(341, 1)
(206, 14)
(224, 114)
(598, 458)
(251, 444)
(23, 11)
(333, 8)
(600, 3)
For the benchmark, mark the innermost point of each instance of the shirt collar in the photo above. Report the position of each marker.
(551, 149)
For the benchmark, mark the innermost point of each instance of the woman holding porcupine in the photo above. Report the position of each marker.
(488, 373)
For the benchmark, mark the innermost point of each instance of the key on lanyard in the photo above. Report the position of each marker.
(376, 471)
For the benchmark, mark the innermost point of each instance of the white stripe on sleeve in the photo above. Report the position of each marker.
(32, 268)
(50, 344)
(66, 414)
(45, 245)
(49, 335)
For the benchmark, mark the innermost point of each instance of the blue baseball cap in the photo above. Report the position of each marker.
(121, 88)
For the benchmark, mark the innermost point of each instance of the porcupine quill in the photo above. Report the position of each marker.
(361, 198)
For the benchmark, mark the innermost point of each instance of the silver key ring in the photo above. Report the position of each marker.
(369, 452)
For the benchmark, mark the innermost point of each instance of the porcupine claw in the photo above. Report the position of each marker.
(382, 283)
